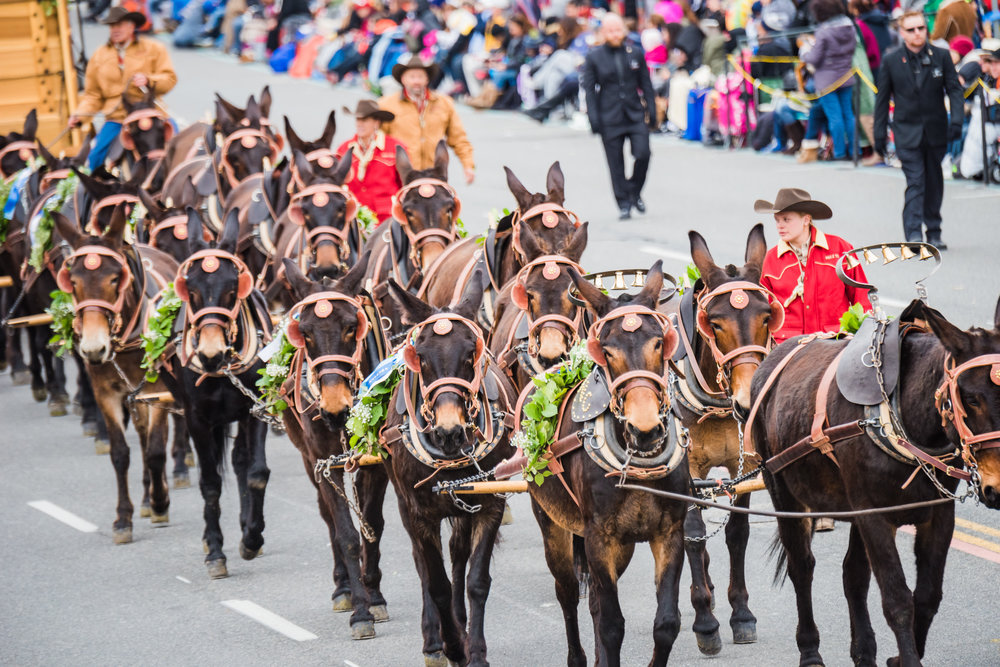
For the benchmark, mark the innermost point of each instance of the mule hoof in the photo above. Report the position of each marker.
(247, 554)
(182, 481)
(3, 366)
(145, 512)
(57, 409)
(39, 395)
(160, 518)
(893, 661)
(709, 644)
(204, 546)
(122, 535)
(189, 460)
(342, 602)
(363, 630)
(217, 568)
(584, 581)
(77, 409)
(89, 429)
(823, 524)
(380, 612)
(744, 633)
(20, 378)
(436, 659)
(508, 516)
(101, 447)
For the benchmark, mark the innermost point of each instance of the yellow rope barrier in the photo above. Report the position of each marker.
(811, 97)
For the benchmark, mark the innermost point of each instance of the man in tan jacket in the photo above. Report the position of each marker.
(126, 63)
(423, 117)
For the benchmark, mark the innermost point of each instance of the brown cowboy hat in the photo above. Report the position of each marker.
(119, 14)
(369, 109)
(794, 199)
(415, 62)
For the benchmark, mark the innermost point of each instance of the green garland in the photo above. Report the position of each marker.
(690, 276)
(61, 310)
(367, 220)
(159, 331)
(369, 412)
(541, 412)
(852, 318)
(460, 228)
(42, 240)
(5, 188)
(275, 372)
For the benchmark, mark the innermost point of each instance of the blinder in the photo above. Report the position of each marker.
(948, 401)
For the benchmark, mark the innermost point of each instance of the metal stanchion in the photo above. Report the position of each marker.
(982, 129)
(856, 103)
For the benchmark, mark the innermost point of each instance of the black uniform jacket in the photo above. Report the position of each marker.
(617, 104)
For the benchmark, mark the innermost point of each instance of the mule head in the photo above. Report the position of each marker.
(248, 144)
(552, 225)
(325, 209)
(446, 351)
(297, 143)
(166, 225)
(213, 282)
(426, 206)
(541, 291)
(734, 315)
(19, 147)
(98, 277)
(146, 129)
(632, 342)
(330, 326)
(106, 193)
(969, 397)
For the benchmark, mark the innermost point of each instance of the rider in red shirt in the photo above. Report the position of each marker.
(373, 179)
(801, 271)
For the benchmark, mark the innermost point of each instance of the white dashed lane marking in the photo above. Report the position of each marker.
(67, 517)
(270, 619)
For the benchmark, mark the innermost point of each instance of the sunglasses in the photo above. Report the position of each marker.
(919, 28)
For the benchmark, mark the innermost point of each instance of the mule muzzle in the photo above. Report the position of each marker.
(95, 337)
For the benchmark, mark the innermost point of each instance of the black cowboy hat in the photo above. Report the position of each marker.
(119, 14)
(415, 62)
(794, 199)
(369, 109)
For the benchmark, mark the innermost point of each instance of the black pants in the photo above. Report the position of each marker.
(924, 191)
(627, 190)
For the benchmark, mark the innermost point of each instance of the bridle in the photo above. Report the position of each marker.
(745, 354)
(25, 151)
(323, 157)
(55, 175)
(549, 213)
(948, 401)
(442, 324)
(143, 120)
(210, 259)
(320, 195)
(322, 306)
(569, 328)
(111, 201)
(92, 260)
(177, 224)
(426, 188)
(631, 317)
(248, 137)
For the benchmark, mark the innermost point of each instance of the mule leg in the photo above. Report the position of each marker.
(857, 577)
(35, 366)
(706, 626)
(252, 473)
(796, 538)
(180, 447)
(560, 555)
(604, 556)
(668, 555)
(742, 620)
(154, 442)
(460, 548)
(484, 527)
(210, 443)
(55, 382)
(88, 404)
(110, 404)
(933, 542)
(372, 482)
(19, 372)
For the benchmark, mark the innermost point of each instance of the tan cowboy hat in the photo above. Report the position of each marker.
(119, 14)
(369, 109)
(414, 62)
(794, 199)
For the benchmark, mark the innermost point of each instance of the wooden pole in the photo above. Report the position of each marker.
(69, 71)
(6, 281)
(29, 321)
(156, 397)
(365, 460)
(510, 486)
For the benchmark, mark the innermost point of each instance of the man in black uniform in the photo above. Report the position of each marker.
(918, 76)
(620, 105)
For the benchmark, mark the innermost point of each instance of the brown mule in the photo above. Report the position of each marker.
(940, 427)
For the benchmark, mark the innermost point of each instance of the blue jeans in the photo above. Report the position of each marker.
(102, 143)
(839, 109)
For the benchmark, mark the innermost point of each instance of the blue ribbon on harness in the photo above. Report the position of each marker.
(381, 372)
(15, 192)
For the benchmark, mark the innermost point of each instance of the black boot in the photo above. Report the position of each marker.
(795, 133)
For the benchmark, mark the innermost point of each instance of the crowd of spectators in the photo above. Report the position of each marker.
(792, 76)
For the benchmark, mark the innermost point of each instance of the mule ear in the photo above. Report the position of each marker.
(127, 103)
(441, 160)
(403, 166)
(521, 194)
(30, 125)
(139, 172)
(89, 183)
(577, 243)
(756, 250)
(226, 116)
(116, 227)
(352, 282)
(265, 102)
(952, 338)
(189, 193)
(996, 317)
(343, 167)
(80, 158)
(49, 158)
(153, 208)
(303, 167)
(68, 230)
(650, 294)
(330, 130)
(300, 284)
(703, 258)
(209, 138)
(195, 235)
(527, 242)
(600, 302)
(294, 142)
(230, 232)
(555, 183)
(412, 310)
(472, 298)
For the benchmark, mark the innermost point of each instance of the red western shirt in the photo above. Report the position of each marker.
(379, 180)
(824, 297)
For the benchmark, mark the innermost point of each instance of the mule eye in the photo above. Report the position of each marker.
(716, 327)
(349, 332)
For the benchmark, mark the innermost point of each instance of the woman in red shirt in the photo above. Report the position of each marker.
(373, 179)
(801, 271)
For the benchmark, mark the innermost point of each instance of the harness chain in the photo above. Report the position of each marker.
(260, 409)
(324, 467)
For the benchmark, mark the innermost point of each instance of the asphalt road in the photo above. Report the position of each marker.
(68, 596)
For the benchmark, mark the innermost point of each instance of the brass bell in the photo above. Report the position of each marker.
(169, 202)
(907, 252)
(619, 280)
(869, 256)
(639, 279)
(925, 253)
(853, 262)
(598, 282)
(266, 163)
(888, 255)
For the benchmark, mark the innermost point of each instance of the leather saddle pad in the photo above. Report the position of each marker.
(496, 244)
(688, 320)
(591, 399)
(401, 251)
(856, 376)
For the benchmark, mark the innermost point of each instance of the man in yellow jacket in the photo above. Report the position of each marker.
(422, 117)
(126, 62)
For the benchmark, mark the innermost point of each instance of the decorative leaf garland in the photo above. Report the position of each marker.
(159, 331)
(61, 310)
(367, 220)
(541, 412)
(5, 188)
(460, 228)
(689, 278)
(372, 407)
(276, 371)
(42, 240)
(852, 318)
